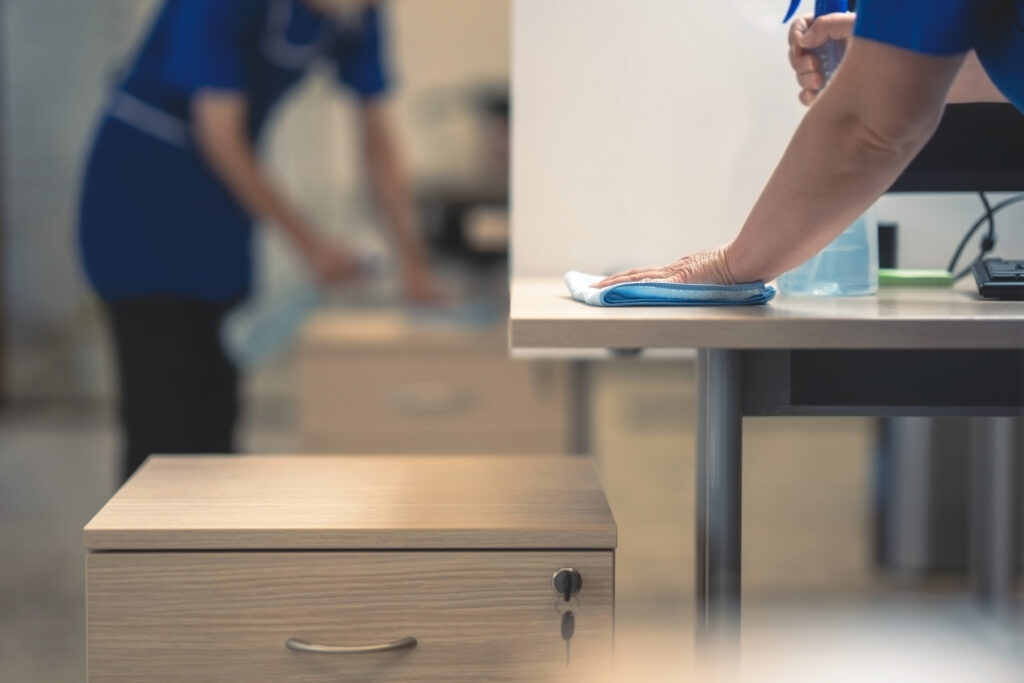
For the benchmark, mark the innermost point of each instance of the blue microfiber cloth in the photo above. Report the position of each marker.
(666, 293)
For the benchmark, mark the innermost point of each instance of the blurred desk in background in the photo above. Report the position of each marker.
(387, 383)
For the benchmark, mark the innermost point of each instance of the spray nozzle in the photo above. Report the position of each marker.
(794, 5)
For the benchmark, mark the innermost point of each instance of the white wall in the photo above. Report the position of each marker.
(645, 130)
(59, 59)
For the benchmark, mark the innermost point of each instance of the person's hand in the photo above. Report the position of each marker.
(332, 264)
(419, 284)
(807, 33)
(709, 267)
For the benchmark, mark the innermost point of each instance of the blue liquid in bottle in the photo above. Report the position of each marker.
(846, 267)
(849, 265)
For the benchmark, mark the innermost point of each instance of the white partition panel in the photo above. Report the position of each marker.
(645, 129)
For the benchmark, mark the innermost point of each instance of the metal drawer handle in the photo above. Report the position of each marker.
(298, 645)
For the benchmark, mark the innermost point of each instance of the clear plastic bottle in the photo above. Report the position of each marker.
(264, 325)
(846, 267)
(849, 265)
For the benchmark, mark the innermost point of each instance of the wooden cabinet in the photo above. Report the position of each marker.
(203, 568)
(382, 384)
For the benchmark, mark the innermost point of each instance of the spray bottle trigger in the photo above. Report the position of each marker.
(794, 5)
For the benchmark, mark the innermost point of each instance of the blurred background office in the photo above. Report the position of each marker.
(364, 374)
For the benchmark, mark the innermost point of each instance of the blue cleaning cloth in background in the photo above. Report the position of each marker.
(666, 293)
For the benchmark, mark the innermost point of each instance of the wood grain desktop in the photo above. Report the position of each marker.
(543, 315)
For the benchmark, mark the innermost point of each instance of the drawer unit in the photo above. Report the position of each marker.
(203, 569)
(375, 384)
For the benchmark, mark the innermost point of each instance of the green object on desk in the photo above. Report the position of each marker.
(901, 277)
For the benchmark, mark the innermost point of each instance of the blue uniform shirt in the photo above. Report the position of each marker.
(154, 219)
(994, 28)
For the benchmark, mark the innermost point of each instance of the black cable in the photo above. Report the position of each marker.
(989, 241)
(987, 216)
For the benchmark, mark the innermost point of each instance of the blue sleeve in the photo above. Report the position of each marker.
(361, 57)
(206, 45)
(931, 27)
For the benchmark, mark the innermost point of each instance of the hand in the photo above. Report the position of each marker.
(709, 267)
(808, 33)
(332, 264)
(420, 286)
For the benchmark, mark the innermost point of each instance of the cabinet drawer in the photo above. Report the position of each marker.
(438, 394)
(477, 616)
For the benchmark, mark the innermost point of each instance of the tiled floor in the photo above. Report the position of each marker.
(806, 543)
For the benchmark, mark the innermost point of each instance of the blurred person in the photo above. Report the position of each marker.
(173, 187)
(906, 59)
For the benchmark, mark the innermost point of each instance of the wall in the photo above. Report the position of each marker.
(59, 58)
(644, 131)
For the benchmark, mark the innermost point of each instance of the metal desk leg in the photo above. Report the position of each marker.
(719, 491)
(580, 409)
(992, 504)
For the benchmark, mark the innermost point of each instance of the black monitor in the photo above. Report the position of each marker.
(977, 148)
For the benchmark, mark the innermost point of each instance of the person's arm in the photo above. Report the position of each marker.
(391, 190)
(863, 130)
(220, 122)
(882, 107)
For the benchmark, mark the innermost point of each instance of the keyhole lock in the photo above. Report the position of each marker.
(567, 583)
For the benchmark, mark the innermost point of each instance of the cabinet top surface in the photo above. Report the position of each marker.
(543, 315)
(356, 503)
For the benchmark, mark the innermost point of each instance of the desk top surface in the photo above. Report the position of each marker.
(357, 503)
(544, 316)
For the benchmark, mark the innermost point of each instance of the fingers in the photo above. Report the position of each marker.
(635, 275)
(796, 33)
(706, 267)
(811, 80)
(838, 26)
(805, 64)
(804, 61)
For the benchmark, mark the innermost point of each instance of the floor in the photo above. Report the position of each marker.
(812, 597)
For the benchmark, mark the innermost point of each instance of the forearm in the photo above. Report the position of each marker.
(853, 143)
(390, 185)
(221, 137)
(818, 188)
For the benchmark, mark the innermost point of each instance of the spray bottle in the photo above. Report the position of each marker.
(831, 53)
(849, 265)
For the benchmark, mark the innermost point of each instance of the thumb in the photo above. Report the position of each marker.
(838, 26)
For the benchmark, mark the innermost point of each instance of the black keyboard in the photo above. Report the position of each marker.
(999, 278)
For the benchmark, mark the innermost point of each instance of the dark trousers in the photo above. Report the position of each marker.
(178, 388)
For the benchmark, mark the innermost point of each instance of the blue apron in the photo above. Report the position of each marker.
(154, 218)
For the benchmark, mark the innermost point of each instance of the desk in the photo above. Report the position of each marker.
(382, 382)
(903, 352)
